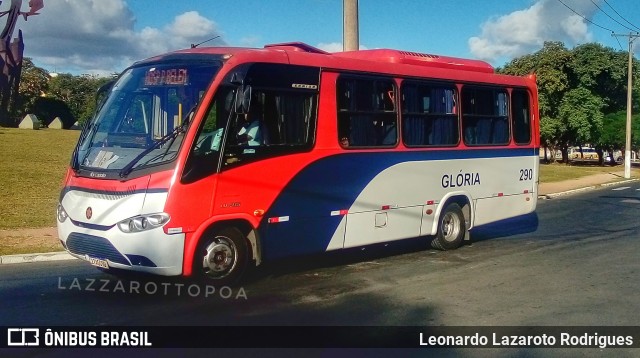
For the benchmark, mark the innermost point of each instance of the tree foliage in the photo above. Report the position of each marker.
(33, 85)
(580, 113)
(614, 131)
(69, 97)
(78, 92)
(577, 88)
(602, 71)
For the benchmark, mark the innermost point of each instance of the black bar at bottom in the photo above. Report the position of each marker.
(322, 337)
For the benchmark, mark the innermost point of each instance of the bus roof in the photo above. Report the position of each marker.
(387, 61)
(420, 59)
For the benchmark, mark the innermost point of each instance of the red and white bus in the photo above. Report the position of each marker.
(207, 160)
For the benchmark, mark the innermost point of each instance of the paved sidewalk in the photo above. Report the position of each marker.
(549, 190)
(46, 256)
(545, 191)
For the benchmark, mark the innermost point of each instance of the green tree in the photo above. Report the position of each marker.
(576, 88)
(613, 137)
(580, 113)
(33, 84)
(78, 92)
(550, 65)
(47, 109)
(602, 71)
(90, 105)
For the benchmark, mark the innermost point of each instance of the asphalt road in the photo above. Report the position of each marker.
(574, 263)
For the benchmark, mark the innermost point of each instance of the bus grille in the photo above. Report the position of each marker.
(94, 246)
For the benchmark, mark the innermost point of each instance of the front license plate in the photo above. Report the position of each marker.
(98, 262)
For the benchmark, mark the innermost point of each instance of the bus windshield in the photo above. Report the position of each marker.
(142, 120)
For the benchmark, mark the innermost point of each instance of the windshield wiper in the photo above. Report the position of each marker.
(171, 136)
(75, 165)
(88, 131)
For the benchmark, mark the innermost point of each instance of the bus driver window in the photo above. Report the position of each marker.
(252, 131)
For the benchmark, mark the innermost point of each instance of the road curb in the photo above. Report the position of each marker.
(626, 181)
(591, 187)
(568, 192)
(39, 257)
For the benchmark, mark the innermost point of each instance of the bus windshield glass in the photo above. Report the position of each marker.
(143, 118)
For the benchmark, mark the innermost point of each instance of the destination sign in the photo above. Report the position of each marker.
(173, 76)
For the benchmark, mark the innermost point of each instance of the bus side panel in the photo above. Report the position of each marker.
(308, 215)
(515, 194)
(384, 194)
(303, 235)
(390, 206)
(372, 227)
(489, 210)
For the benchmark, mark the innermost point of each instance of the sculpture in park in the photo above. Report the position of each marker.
(11, 55)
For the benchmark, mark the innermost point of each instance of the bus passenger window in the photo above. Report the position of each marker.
(484, 119)
(520, 117)
(366, 112)
(429, 114)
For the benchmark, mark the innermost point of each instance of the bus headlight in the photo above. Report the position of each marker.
(62, 214)
(143, 222)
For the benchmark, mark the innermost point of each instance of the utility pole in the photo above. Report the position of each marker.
(627, 149)
(350, 34)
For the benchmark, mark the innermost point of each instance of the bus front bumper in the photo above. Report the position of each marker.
(152, 251)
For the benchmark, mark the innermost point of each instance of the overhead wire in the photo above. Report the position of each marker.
(609, 16)
(593, 23)
(619, 44)
(582, 16)
(622, 17)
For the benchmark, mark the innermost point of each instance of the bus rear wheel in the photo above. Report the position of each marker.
(222, 257)
(451, 228)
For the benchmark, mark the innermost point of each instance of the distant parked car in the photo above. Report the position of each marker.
(587, 154)
(619, 159)
(617, 155)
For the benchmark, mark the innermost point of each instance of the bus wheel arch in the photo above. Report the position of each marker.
(453, 224)
(224, 251)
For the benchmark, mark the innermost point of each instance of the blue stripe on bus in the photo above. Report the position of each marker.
(91, 226)
(67, 189)
(333, 183)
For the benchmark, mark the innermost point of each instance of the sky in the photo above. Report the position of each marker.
(105, 36)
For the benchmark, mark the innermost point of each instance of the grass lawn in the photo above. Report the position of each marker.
(32, 167)
(555, 172)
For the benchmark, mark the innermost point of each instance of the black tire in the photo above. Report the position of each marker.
(451, 228)
(221, 257)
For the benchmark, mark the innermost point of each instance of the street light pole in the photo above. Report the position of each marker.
(350, 40)
(627, 149)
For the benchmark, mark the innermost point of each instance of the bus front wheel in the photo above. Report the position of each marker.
(451, 228)
(222, 256)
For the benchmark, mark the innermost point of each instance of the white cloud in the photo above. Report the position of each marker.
(331, 47)
(191, 25)
(250, 41)
(98, 36)
(525, 31)
(335, 47)
(576, 28)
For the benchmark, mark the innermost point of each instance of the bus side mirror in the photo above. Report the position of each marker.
(243, 99)
(102, 94)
